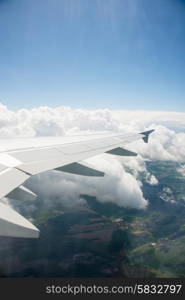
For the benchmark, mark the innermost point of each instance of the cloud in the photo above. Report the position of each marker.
(165, 144)
(181, 170)
(167, 195)
(151, 179)
(118, 186)
(121, 184)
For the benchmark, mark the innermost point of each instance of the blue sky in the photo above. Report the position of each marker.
(117, 54)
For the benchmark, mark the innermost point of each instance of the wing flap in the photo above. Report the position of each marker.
(22, 192)
(13, 224)
(122, 152)
(10, 179)
(80, 169)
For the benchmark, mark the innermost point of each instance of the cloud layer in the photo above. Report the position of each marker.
(119, 185)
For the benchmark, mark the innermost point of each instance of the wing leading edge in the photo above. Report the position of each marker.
(63, 154)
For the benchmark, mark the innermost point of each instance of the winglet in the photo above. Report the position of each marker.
(146, 135)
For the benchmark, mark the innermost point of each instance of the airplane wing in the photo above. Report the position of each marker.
(20, 159)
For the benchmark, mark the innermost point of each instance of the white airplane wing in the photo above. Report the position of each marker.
(20, 159)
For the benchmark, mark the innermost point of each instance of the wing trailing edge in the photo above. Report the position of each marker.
(21, 193)
(13, 224)
(81, 169)
(122, 152)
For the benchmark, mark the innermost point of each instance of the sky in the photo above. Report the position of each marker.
(115, 54)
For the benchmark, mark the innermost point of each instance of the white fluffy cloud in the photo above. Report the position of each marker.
(119, 185)
(181, 170)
